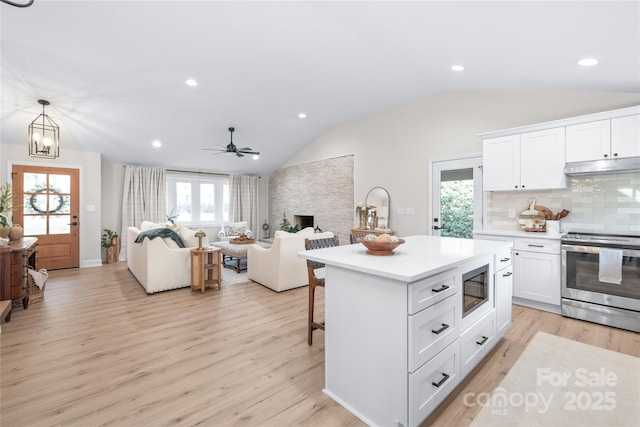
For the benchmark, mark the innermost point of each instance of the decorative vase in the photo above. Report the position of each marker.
(16, 232)
(4, 231)
(113, 251)
(363, 219)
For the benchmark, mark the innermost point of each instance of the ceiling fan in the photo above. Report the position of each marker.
(232, 149)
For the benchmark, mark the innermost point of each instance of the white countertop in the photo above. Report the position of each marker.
(418, 257)
(519, 233)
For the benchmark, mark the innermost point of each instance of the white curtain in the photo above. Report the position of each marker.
(144, 197)
(243, 201)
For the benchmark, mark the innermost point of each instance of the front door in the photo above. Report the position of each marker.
(47, 206)
(456, 197)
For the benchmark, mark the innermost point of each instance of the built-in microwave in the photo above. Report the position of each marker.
(477, 291)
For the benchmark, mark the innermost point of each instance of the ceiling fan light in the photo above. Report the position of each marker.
(256, 156)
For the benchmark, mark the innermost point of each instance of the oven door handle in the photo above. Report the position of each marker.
(596, 250)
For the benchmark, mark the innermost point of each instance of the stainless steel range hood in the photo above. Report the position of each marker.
(602, 167)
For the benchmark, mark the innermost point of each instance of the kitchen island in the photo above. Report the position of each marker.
(396, 341)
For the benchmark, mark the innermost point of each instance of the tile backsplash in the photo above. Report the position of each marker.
(598, 203)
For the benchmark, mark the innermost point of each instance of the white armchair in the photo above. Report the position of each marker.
(279, 267)
(233, 230)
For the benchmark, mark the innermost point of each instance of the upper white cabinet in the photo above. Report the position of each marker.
(625, 136)
(527, 161)
(604, 139)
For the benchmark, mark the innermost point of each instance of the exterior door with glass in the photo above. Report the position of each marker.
(456, 197)
(47, 207)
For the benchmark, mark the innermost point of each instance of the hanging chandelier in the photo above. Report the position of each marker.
(44, 136)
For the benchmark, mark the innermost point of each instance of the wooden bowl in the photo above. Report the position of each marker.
(380, 248)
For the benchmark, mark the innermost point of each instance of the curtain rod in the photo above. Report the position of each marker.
(183, 171)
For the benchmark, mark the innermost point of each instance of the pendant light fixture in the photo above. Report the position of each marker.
(44, 136)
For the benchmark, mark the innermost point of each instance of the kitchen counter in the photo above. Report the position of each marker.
(389, 357)
(518, 233)
(418, 257)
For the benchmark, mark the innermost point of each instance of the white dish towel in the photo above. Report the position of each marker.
(610, 266)
(39, 277)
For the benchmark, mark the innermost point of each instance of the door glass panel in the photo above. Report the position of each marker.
(34, 181)
(34, 225)
(456, 203)
(59, 224)
(60, 183)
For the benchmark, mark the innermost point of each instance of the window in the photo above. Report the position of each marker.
(197, 199)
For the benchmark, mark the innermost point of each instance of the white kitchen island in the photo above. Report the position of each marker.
(396, 342)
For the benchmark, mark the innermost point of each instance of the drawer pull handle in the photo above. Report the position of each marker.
(507, 274)
(444, 378)
(444, 326)
(536, 246)
(505, 259)
(484, 340)
(443, 288)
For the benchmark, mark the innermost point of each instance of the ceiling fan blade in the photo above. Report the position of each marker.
(239, 154)
(249, 152)
(213, 149)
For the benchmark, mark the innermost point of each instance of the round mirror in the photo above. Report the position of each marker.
(377, 203)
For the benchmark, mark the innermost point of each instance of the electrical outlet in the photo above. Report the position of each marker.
(512, 213)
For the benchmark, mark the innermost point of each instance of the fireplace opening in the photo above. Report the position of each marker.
(303, 221)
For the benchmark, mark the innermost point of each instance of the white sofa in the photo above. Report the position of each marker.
(279, 267)
(160, 264)
(233, 230)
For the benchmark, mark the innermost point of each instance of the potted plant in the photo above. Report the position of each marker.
(6, 200)
(111, 243)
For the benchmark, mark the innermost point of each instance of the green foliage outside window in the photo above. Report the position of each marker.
(456, 209)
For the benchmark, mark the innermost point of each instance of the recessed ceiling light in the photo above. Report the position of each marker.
(256, 156)
(588, 62)
(191, 82)
(156, 143)
(457, 68)
(302, 115)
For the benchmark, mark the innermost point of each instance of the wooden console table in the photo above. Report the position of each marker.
(205, 268)
(15, 260)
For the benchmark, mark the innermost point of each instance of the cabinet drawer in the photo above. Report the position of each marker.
(503, 259)
(430, 384)
(428, 291)
(433, 329)
(476, 342)
(537, 245)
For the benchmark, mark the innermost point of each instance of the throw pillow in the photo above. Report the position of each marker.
(234, 231)
(148, 225)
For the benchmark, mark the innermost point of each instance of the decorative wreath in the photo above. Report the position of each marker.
(265, 226)
(33, 200)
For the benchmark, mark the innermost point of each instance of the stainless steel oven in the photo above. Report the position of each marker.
(601, 279)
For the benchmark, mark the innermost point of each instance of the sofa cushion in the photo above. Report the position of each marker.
(189, 238)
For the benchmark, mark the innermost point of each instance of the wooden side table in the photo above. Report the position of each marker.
(205, 268)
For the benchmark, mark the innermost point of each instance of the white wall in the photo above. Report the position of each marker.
(392, 148)
(90, 191)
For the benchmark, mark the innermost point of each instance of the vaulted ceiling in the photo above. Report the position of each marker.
(115, 71)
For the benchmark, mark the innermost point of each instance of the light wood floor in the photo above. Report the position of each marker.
(99, 351)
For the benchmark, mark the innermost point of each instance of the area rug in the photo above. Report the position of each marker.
(560, 382)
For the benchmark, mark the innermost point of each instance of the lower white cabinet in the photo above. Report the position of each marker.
(433, 329)
(503, 283)
(536, 275)
(430, 384)
(476, 341)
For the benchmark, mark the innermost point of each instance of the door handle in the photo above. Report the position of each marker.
(435, 227)
(439, 331)
(484, 340)
(73, 223)
(444, 378)
(443, 288)
(507, 274)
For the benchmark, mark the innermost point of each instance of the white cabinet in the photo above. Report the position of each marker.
(604, 139)
(527, 161)
(476, 341)
(536, 271)
(501, 163)
(503, 282)
(504, 293)
(625, 136)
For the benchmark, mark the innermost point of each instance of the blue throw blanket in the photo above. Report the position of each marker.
(160, 232)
